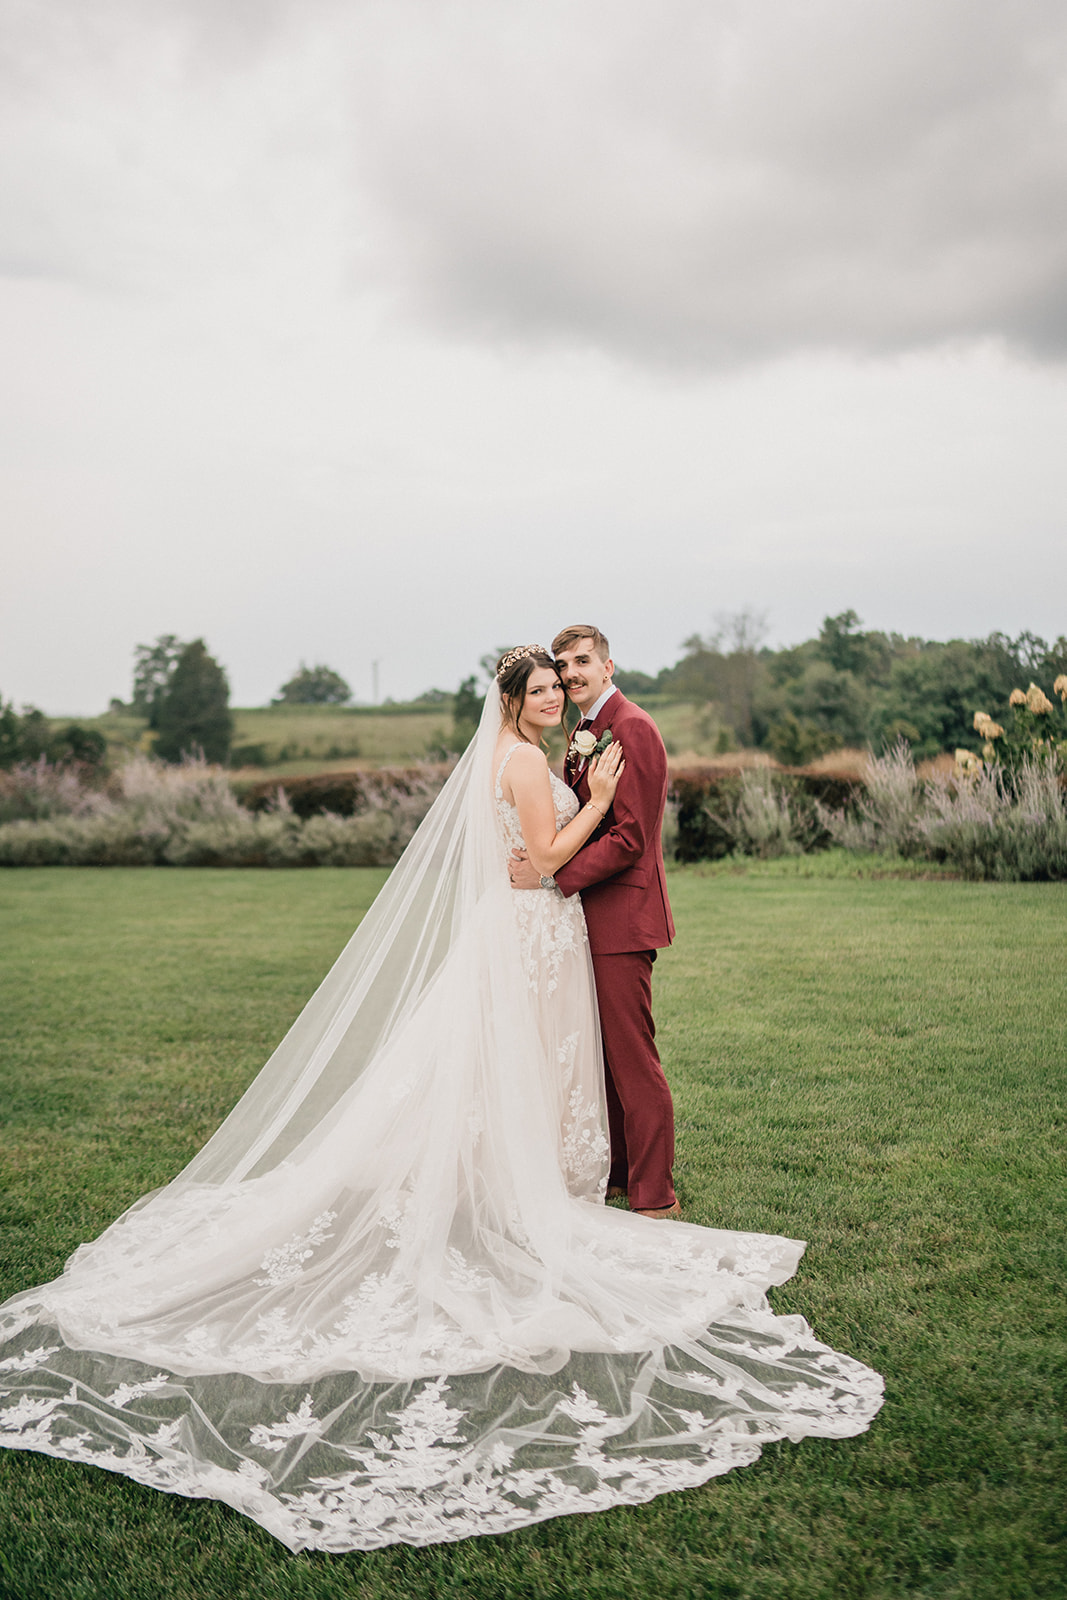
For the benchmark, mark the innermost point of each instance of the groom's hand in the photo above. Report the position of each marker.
(522, 874)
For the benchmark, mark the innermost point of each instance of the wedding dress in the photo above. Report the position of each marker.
(386, 1302)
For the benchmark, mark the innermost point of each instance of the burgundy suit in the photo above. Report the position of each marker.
(619, 874)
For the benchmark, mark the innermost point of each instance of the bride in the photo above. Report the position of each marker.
(386, 1303)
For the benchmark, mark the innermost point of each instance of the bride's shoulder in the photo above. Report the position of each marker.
(523, 757)
(521, 768)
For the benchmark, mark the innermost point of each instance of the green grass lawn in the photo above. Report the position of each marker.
(873, 1064)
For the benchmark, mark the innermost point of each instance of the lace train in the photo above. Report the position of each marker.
(339, 1464)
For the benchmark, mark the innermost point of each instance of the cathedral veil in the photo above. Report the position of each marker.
(441, 884)
(385, 1302)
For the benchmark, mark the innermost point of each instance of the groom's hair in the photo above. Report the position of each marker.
(581, 630)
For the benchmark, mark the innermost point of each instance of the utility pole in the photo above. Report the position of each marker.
(374, 682)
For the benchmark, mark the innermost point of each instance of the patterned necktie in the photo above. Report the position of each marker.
(576, 762)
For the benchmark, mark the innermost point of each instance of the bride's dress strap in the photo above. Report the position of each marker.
(508, 753)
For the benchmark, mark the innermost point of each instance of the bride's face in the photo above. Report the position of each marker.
(543, 706)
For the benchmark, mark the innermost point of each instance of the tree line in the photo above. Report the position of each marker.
(849, 686)
(845, 686)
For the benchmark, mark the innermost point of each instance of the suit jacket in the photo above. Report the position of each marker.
(619, 871)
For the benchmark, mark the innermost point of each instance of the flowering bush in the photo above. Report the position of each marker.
(1038, 733)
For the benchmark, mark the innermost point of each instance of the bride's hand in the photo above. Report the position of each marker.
(604, 774)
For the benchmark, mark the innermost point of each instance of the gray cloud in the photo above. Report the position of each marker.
(697, 183)
(690, 182)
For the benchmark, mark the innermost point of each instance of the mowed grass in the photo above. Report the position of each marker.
(875, 1065)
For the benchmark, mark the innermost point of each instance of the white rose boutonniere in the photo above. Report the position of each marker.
(585, 744)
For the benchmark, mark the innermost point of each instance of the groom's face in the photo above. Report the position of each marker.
(585, 676)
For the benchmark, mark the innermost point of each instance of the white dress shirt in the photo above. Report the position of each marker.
(598, 705)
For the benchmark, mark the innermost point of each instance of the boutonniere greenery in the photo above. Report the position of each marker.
(585, 744)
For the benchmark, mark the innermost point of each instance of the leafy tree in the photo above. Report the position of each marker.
(1053, 660)
(153, 669)
(841, 643)
(74, 744)
(635, 683)
(466, 712)
(795, 741)
(832, 704)
(194, 712)
(10, 731)
(314, 686)
(30, 736)
(727, 669)
(936, 689)
(35, 734)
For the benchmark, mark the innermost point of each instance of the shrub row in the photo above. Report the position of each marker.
(274, 839)
(984, 824)
(720, 811)
(346, 794)
(188, 815)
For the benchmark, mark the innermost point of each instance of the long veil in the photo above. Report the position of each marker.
(385, 1302)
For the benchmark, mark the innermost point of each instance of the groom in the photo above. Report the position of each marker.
(619, 874)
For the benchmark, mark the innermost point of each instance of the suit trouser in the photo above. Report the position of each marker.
(640, 1109)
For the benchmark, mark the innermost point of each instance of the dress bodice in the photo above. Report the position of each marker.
(564, 800)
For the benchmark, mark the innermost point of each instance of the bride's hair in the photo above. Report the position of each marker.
(512, 675)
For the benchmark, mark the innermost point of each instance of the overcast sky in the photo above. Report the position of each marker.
(396, 330)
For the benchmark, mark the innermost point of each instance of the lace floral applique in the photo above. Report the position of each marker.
(286, 1261)
(136, 1391)
(550, 927)
(31, 1419)
(397, 1221)
(29, 1359)
(581, 1408)
(462, 1275)
(585, 1149)
(297, 1424)
(476, 1122)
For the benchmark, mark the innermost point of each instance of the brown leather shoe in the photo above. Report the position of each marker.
(666, 1211)
(615, 1193)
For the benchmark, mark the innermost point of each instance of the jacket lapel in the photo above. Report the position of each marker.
(575, 770)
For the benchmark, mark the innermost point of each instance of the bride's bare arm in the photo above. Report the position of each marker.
(531, 793)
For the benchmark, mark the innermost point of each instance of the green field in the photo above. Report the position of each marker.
(873, 1064)
(296, 740)
(293, 741)
(299, 739)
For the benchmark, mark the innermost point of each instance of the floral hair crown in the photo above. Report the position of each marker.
(518, 654)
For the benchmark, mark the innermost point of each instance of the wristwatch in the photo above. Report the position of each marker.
(548, 883)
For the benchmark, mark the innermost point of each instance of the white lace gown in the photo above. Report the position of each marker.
(386, 1303)
(554, 951)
